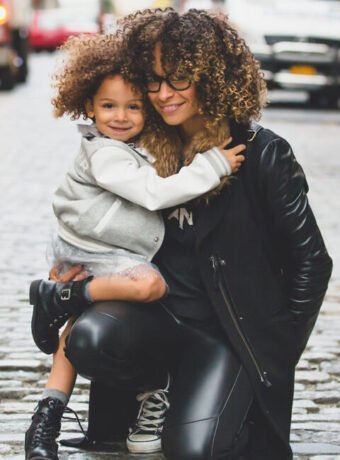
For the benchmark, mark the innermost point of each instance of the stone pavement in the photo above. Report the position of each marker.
(30, 168)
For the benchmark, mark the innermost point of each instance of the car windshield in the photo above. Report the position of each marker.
(49, 19)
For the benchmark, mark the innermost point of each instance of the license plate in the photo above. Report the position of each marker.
(303, 70)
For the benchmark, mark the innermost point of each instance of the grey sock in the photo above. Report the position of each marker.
(52, 393)
(87, 293)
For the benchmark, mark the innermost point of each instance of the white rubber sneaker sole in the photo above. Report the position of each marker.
(143, 447)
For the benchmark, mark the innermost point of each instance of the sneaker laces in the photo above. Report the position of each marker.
(151, 414)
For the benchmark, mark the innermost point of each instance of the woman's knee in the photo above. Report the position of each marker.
(197, 441)
(99, 342)
(189, 441)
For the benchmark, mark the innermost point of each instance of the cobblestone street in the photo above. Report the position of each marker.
(34, 151)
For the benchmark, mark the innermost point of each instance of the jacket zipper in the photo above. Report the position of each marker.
(216, 264)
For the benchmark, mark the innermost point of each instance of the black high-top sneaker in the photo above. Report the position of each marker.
(53, 303)
(40, 438)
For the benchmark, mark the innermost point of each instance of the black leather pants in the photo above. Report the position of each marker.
(135, 344)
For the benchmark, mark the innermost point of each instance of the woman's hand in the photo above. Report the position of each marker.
(233, 155)
(75, 273)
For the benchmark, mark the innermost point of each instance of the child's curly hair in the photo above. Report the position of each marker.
(206, 48)
(85, 61)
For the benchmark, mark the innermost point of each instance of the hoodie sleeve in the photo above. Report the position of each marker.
(116, 170)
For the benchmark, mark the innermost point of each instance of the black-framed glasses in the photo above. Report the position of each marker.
(178, 83)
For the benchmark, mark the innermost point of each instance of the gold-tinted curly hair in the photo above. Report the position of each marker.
(206, 48)
(84, 62)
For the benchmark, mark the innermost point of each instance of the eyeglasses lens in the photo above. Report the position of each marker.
(177, 83)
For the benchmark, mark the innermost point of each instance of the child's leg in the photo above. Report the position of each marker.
(62, 375)
(141, 283)
(40, 438)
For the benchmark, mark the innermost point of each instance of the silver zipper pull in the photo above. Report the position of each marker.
(214, 263)
(265, 380)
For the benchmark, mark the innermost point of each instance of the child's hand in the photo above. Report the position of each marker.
(76, 273)
(233, 155)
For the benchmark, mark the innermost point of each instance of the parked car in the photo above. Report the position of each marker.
(14, 24)
(297, 43)
(51, 27)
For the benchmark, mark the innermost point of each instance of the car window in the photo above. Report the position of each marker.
(48, 20)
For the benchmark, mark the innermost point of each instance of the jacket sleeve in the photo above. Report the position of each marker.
(117, 171)
(307, 264)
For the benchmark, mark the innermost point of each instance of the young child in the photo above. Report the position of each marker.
(106, 208)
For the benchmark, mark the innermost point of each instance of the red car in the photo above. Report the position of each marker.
(51, 27)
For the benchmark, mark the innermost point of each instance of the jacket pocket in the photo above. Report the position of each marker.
(108, 216)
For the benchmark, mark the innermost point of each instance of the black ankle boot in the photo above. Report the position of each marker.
(40, 438)
(53, 303)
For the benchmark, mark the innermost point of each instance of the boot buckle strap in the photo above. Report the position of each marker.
(65, 294)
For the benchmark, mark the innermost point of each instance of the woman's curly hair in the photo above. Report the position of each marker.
(206, 48)
(84, 62)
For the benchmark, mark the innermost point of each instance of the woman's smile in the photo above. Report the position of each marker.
(170, 108)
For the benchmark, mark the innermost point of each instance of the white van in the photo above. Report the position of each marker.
(296, 41)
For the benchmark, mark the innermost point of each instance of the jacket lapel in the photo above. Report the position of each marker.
(209, 216)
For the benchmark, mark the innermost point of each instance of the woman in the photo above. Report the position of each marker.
(246, 266)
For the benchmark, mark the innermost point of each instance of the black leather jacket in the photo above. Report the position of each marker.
(266, 269)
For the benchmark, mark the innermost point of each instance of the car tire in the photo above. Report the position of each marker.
(21, 47)
(324, 99)
(22, 73)
(7, 79)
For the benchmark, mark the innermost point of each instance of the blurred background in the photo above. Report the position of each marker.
(296, 41)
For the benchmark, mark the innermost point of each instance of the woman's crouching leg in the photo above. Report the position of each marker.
(107, 344)
(100, 347)
(209, 401)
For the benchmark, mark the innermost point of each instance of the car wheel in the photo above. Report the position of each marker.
(21, 47)
(324, 99)
(22, 73)
(7, 79)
